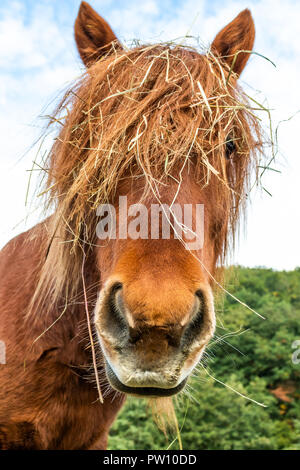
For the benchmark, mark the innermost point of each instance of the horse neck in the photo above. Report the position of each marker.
(62, 324)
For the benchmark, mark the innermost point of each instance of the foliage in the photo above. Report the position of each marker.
(254, 358)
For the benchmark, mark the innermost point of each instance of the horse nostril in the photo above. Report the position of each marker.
(196, 324)
(198, 320)
(115, 287)
(134, 335)
(116, 322)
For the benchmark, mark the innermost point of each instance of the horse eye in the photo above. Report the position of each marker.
(230, 147)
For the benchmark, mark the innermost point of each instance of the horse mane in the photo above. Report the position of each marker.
(143, 114)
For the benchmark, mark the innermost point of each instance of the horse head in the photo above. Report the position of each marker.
(163, 131)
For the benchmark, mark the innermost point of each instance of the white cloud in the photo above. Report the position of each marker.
(38, 57)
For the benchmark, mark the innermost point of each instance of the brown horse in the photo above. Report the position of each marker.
(86, 321)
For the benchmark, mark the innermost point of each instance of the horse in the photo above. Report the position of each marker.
(85, 320)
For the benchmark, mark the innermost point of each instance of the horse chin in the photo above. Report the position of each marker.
(150, 392)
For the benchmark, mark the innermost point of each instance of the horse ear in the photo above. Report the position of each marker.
(93, 35)
(235, 42)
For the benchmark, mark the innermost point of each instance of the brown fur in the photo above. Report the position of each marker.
(47, 400)
(47, 397)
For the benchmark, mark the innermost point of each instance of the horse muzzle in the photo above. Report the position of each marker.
(145, 359)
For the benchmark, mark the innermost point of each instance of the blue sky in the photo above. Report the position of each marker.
(38, 58)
